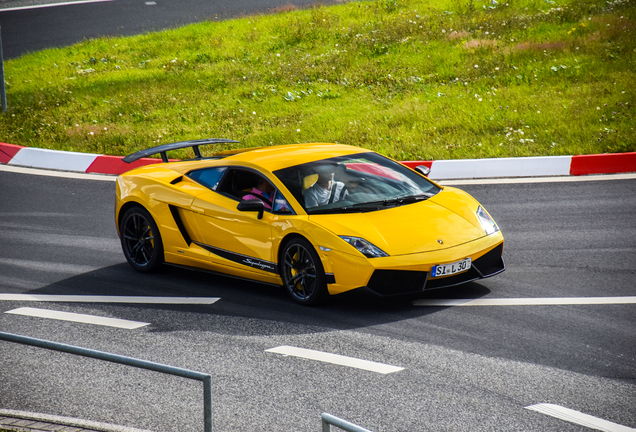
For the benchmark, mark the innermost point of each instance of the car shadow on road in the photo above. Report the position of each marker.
(244, 300)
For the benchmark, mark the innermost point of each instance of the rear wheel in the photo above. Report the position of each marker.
(140, 240)
(302, 272)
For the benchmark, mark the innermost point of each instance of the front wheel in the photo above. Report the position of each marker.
(302, 272)
(140, 240)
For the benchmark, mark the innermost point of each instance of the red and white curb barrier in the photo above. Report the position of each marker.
(543, 166)
(32, 157)
(440, 169)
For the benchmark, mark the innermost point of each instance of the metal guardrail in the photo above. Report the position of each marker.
(328, 420)
(129, 361)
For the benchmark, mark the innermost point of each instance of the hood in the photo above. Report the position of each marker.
(407, 229)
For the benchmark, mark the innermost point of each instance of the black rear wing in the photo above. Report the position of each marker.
(164, 148)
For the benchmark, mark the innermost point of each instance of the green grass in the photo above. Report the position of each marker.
(410, 79)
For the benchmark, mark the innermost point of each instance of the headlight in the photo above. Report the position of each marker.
(487, 223)
(366, 248)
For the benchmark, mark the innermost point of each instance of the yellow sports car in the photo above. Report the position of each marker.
(318, 219)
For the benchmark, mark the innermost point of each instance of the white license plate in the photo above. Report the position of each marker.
(449, 269)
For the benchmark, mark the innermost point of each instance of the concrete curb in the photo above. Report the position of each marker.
(34, 421)
(440, 169)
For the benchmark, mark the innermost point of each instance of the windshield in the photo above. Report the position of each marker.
(354, 183)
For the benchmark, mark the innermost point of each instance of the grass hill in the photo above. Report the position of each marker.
(433, 79)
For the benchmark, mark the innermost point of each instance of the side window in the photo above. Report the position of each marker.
(208, 177)
(238, 183)
(281, 205)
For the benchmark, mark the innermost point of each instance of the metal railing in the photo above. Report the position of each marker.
(129, 361)
(328, 420)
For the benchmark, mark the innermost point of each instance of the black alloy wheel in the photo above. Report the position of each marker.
(140, 240)
(302, 273)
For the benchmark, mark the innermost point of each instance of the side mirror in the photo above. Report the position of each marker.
(423, 169)
(252, 205)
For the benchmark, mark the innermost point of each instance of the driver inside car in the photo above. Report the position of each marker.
(263, 191)
(326, 190)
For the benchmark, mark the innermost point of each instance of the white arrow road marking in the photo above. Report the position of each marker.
(527, 301)
(75, 317)
(579, 418)
(107, 299)
(334, 359)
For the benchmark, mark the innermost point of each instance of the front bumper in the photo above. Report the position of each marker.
(410, 273)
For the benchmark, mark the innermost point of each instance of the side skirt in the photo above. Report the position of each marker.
(202, 270)
(241, 259)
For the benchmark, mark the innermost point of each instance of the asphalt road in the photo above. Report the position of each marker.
(26, 29)
(465, 368)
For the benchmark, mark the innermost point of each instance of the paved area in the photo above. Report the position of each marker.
(21, 421)
(25, 425)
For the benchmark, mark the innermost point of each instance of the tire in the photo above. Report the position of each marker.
(140, 240)
(302, 273)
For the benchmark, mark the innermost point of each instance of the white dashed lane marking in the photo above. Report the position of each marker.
(335, 359)
(108, 299)
(579, 418)
(79, 318)
(63, 3)
(550, 301)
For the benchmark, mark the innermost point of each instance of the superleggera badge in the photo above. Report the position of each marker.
(259, 264)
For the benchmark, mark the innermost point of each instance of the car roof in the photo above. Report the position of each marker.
(278, 157)
(270, 158)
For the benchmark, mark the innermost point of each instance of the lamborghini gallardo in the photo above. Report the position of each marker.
(318, 219)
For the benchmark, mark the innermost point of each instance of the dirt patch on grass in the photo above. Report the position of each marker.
(91, 130)
(544, 46)
(454, 35)
(480, 43)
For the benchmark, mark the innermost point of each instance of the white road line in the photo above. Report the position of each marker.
(47, 266)
(107, 299)
(599, 177)
(51, 5)
(557, 179)
(62, 174)
(335, 359)
(551, 301)
(579, 418)
(75, 317)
